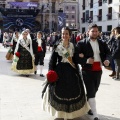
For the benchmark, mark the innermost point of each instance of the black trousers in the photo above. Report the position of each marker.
(39, 58)
(92, 81)
(117, 62)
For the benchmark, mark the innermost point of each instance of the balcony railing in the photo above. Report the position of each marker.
(99, 18)
(83, 20)
(83, 6)
(109, 16)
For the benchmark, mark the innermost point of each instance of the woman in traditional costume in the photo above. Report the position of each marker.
(23, 56)
(65, 97)
(14, 40)
(5, 39)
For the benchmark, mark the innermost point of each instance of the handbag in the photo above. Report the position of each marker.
(9, 56)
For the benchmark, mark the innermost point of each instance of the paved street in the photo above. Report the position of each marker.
(20, 97)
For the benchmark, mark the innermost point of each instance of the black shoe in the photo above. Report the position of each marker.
(41, 75)
(90, 112)
(27, 75)
(96, 118)
(35, 72)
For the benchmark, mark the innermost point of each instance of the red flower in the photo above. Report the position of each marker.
(52, 76)
(17, 54)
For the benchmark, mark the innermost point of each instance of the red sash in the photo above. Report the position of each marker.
(39, 49)
(96, 66)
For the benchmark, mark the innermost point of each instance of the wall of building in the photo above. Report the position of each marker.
(105, 23)
(70, 7)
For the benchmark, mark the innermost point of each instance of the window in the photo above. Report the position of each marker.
(100, 28)
(100, 2)
(53, 7)
(109, 27)
(109, 15)
(109, 1)
(83, 18)
(66, 16)
(67, 7)
(83, 29)
(87, 15)
(2, 5)
(73, 8)
(73, 16)
(83, 6)
(91, 15)
(91, 3)
(100, 15)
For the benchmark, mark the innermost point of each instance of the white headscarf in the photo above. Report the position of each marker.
(14, 37)
(21, 40)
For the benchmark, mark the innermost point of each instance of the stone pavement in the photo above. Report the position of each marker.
(20, 97)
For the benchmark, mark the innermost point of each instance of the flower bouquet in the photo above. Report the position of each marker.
(52, 76)
(16, 56)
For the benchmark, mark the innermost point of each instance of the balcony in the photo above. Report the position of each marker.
(90, 18)
(109, 16)
(99, 18)
(83, 6)
(83, 20)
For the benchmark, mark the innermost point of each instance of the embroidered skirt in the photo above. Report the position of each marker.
(66, 98)
(25, 63)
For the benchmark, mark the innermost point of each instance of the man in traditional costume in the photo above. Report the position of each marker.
(92, 53)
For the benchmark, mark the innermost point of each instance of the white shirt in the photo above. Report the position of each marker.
(96, 50)
(39, 42)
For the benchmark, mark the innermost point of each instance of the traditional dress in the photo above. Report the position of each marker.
(23, 63)
(39, 49)
(66, 97)
(99, 51)
(14, 42)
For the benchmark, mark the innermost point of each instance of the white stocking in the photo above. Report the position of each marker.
(92, 103)
(41, 68)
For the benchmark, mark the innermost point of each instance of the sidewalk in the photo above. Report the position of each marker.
(20, 97)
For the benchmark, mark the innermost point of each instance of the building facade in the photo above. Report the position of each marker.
(70, 8)
(105, 13)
